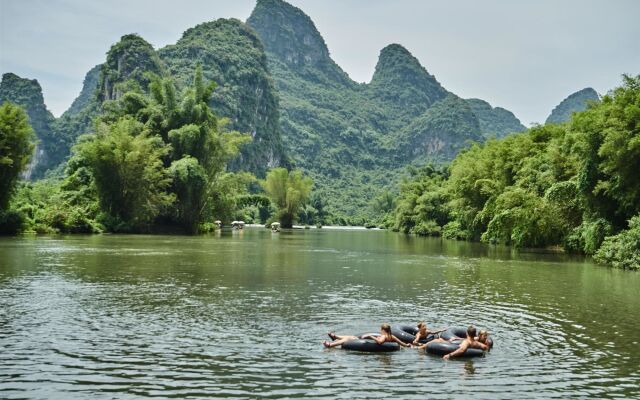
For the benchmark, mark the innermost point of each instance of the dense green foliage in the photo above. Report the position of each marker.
(131, 61)
(576, 102)
(355, 140)
(623, 249)
(572, 185)
(125, 161)
(289, 191)
(162, 154)
(230, 54)
(16, 146)
(155, 161)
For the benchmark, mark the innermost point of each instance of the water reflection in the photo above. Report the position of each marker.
(469, 369)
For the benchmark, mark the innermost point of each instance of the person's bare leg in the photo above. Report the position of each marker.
(339, 342)
(333, 336)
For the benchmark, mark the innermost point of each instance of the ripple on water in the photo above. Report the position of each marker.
(191, 326)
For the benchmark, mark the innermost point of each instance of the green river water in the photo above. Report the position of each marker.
(243, 315)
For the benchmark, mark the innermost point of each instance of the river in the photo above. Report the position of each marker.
(243, 315)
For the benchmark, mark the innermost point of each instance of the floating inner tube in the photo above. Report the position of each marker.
(407, 333)
(369, 345)
(441, 349)
(452, 333)
(461, 333)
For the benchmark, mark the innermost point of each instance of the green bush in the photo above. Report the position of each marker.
(453, 230)
(588, 237)
(623, 249)
(426, 228)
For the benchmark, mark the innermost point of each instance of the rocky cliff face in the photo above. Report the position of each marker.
(28, 94)
(576, 102)
(291, 37)
(400, 81)
(88, 92)
(288, 33)
(232, 55)
(129, 60)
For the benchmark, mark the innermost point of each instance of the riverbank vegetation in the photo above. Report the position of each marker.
(574, 185)
(156, 161)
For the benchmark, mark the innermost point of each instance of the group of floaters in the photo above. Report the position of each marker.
(445, 342)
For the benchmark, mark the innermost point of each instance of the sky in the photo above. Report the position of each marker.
(525, 56)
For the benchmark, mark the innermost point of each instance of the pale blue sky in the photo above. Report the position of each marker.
(525, 56)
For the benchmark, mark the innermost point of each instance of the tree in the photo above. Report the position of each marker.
(288, 191)
(198, 145)
(126, 164)
(16, 145)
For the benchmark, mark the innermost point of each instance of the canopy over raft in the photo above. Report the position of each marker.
(237, 224)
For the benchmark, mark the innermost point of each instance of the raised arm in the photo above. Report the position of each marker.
(430, 332)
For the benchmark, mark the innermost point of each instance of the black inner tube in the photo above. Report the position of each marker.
(369, 345)
(444, 348)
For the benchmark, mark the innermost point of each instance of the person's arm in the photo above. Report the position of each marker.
(481, 346)
(379, 339)
(463, 347)
(430, 332)
(417, 339)
(367, 337)
(400, 342)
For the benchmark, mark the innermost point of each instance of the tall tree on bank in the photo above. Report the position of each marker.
(288, 191)
(187, 148)
(16, 146)
(126, 163)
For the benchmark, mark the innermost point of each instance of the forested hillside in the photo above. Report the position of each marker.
(354, 139)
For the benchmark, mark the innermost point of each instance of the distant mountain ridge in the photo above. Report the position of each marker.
(575, 102)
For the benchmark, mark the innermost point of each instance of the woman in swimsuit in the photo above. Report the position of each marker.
(384, 337)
